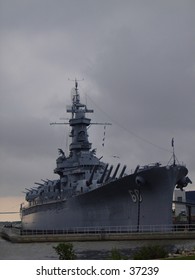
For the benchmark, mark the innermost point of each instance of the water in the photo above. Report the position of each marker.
(84, 250)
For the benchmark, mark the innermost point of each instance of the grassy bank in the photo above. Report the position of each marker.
(183, 258)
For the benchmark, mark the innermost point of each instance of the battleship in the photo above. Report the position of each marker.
(90, 193)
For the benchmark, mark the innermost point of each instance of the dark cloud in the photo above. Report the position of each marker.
(137, 58)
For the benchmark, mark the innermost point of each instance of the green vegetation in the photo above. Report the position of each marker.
(65, 251)
(144, 253)
(116, 255)
(183, 258)
(151, 253)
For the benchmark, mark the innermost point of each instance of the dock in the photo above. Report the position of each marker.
(15, 235)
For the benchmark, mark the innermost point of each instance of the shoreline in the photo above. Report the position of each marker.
(13, 235)
(92, 250)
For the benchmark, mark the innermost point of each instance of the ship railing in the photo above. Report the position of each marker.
(156, 164)
(141, 229)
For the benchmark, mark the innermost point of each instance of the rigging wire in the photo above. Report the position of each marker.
(127, 130)
(104, 136)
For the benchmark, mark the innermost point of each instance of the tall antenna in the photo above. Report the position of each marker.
(173, 146)
(76, 82)
(173, 154)
(75, 94)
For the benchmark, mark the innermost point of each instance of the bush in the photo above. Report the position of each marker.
(151, 253)
(65, 251)
(116, 255)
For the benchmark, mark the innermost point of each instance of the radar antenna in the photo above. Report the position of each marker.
(76, 81)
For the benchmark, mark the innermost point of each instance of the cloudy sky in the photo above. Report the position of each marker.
(137, 58)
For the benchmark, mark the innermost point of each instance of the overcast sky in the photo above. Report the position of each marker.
(137, 58)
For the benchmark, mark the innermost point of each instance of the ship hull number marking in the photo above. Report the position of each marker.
(135, 195)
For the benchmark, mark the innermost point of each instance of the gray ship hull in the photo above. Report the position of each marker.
(120, 203)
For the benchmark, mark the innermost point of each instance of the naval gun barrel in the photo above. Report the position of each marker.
(44, 181)
(116, 170)
(49, 180)
(89, 182)
(39, 184)
(136, 169)
(123, 171)
(100, 181)
(34, 189)
(109, 172)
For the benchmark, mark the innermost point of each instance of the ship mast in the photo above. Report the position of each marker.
(79, 122)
